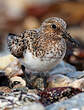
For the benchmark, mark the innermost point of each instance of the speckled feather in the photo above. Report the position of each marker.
(16, 45)
(38, 47)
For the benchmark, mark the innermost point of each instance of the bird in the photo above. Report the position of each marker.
(41, 49)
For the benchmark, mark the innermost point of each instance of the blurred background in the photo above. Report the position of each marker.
(17, 15)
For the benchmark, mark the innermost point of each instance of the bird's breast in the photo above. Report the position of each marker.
(46, 63)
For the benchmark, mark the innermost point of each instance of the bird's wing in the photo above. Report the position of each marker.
(16, 45)
(31, 40)
(26, 40)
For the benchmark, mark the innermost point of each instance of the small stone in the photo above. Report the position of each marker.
(13, 69)
(17, 82)
(78, 83)
(58, 81)
(6, 60)
(52, 95)
(10, 65)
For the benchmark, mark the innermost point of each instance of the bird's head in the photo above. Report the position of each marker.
(55, 28)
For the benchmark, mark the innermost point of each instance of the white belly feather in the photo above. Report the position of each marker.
(38, 65)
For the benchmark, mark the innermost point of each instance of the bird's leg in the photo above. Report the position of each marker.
(27, 76)
(44, 76)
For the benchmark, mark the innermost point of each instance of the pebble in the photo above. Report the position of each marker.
(10, 65)
(13, 69)
(17, 81)
(64, 81)
(49, 96)
(6, 60)
(78, 83)
(66, 75)
(58, 81)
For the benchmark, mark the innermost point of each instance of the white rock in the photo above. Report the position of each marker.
(19, 79)
(33, 106)
(58, 80)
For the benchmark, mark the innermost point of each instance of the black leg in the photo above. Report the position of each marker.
(23, 68)
(25, 74)
(27, 77)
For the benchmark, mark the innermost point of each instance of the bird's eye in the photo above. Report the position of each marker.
(53, 26)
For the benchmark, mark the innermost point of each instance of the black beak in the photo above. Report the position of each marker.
(68, 37)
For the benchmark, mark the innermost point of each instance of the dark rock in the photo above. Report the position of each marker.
(49, 96)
